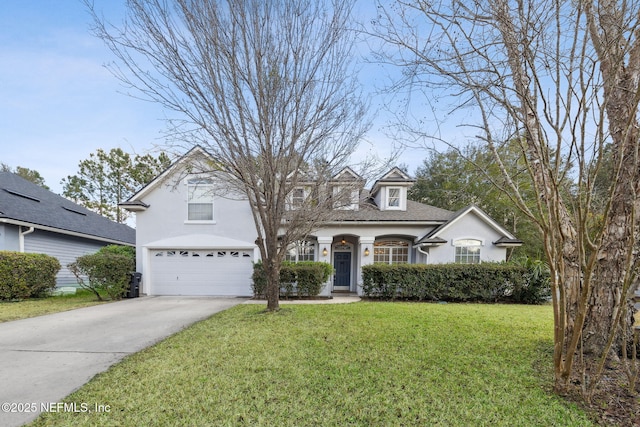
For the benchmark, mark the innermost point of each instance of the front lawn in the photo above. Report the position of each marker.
(39, 306)
(363, 364)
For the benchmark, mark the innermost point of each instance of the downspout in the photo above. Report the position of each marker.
(21, 235)
(419, 248)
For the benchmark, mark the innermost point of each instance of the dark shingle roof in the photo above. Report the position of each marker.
(416, 212)
(22, 200)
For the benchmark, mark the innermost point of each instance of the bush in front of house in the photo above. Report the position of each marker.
(104, 272)
(537, 286)
(487, 282)
(303, 279)
(129, 251)
(24, 275)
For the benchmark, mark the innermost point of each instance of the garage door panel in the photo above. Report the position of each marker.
(201, 272)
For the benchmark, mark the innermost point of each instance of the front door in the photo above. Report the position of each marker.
(342, 265)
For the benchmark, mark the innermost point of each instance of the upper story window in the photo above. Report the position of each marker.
(303, 250)
(296, 198)
(345, 197)
(391, 252)
(467, 251)
(393, 197)
(200, 200)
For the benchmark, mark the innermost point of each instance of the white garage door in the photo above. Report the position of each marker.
(201, 272)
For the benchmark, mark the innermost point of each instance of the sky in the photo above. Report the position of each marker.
(58, 103)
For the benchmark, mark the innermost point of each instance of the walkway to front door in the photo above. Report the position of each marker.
(342, 265)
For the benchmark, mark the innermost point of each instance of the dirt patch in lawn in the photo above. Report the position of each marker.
(612, 404)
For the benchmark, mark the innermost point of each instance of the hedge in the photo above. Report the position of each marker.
(303, 279)
(129, 251)
(488, 282)
(24, 275)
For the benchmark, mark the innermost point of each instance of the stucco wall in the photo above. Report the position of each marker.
(468, 227)
(167, 217)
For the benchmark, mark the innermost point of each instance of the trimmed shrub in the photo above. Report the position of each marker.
(103, 272)
(24, 275)
(303, 279)
(129, 251)
(487, 282)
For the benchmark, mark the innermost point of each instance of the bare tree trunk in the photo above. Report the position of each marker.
(608, 329)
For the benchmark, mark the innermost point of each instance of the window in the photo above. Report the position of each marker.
(391, 252)
(467, 251)
(393, 200)
(345, 197)
(297, 198)
(200, 200)
(303, 250)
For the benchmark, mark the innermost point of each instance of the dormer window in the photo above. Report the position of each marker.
(393, 200)
(345, 197)
(200, 200)
(297, 198)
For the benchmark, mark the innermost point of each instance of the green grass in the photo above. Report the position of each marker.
(39, 306)
(363, 364)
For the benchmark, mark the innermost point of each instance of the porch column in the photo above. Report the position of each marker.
(324, 246)
(365, 246)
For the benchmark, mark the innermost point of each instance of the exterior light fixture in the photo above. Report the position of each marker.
(325, 252)
(366, 251)
(343, 240)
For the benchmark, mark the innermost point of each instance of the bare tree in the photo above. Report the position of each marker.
(267, 88)
(561, 77)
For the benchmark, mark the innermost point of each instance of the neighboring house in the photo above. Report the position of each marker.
(193, 241)
(35, 220)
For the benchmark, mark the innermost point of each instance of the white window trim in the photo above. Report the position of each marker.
(300, 244)
(388, 199)
(211, 221)
(455, 243)
(408, 247)
(354, 198)
(290, 198)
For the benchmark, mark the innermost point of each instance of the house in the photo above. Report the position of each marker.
(35, 220)
(194, 241)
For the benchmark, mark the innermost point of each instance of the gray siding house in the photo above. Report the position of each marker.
(195, 241)
(35, 220)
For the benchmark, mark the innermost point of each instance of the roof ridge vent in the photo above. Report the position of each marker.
(24, 196)
(74, 211)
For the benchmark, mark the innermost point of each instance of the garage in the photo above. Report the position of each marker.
(201, 272)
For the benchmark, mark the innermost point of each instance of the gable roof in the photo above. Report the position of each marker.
(507, 238)
(25, 203)
(395, 177)
(135, 201)
(347, 174)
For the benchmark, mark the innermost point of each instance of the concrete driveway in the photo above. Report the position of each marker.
(43, 359)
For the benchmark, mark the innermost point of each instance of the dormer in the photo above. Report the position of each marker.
(390, 191)
(345, 188)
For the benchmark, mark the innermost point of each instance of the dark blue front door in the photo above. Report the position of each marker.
(342, 264)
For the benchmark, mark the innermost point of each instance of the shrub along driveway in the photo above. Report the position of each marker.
(43, 359)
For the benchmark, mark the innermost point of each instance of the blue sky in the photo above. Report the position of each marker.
(58, 103)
